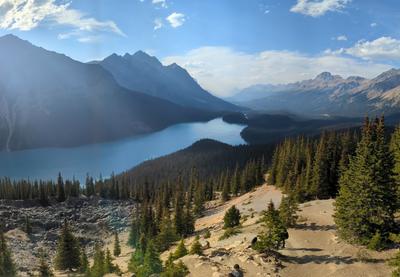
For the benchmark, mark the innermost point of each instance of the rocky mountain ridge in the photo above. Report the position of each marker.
(329, 94)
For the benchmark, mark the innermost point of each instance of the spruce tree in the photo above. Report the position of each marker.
(28, 226)
(99, 267)
(167, 234)
(188, 222)
(178, 269)
(287, 211)
(367, 197)
(195, 248)
(275, 235)
(44, 268)
(117, 246)
(7, 266)
(60, 189)
(232, 217)
(395, 148)
(109, 267)
(151, 263)
(84, 267)
(136, 260)
(180, 250)
(68, 250)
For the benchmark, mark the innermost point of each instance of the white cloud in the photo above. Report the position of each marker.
(383, 48)
(341, 38)
(373, 24)
(158, 24)
(161, 3)
(223, 70)
(176, 19)
(26, 15)
(317, 8)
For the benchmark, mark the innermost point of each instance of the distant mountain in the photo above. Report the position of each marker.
(48, 99)
(141, 72)
(331, 94)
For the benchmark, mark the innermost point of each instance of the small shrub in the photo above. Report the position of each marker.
(395, 262)
(207, 234)
(229, 232)
(394, 238)
(376, 243)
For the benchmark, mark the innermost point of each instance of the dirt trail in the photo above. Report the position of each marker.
(313, 248)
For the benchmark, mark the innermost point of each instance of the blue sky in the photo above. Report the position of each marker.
(225, 44)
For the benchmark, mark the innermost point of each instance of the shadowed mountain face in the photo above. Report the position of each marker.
(328, 94)
(141, 72)
(48, 99)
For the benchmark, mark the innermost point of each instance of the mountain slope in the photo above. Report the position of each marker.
(330, 94)
(144, 73)
(48, 99)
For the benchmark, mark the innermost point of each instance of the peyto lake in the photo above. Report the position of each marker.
(117, 156)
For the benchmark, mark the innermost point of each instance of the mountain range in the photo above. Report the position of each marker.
(327, 94)
(144, 73)
(48, 99)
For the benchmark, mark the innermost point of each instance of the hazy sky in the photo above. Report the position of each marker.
(225, 44)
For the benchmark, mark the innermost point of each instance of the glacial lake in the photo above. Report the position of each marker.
(116, 156)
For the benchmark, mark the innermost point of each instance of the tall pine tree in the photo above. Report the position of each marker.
(367, 197)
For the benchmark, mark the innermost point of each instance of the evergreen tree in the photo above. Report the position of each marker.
(178, 269)
(28, 226)
(109, 267)
(44, 268)
(232, 217)
(68, 250)
(179, 215)
(225, 194)
(273, 238)
(84, 267)
(151, 263)
(136, 260)
(98, 268)
(395, 148)
(167, 234)
(60, 189)
(319, 185)
(188, 222)
(196, 247)
(180, 250)
(7, 267)
(288, 210)
(367, 197)
(117, 246)
(134, 232)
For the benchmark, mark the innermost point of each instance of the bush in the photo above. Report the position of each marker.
(395, 262)
(376, 243)
(232, 218)
(207, 234)
(178, 269)
(229, 232)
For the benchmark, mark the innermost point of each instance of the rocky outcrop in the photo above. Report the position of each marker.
(91, 220)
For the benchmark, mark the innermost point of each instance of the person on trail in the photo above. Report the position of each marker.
(237, 271)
